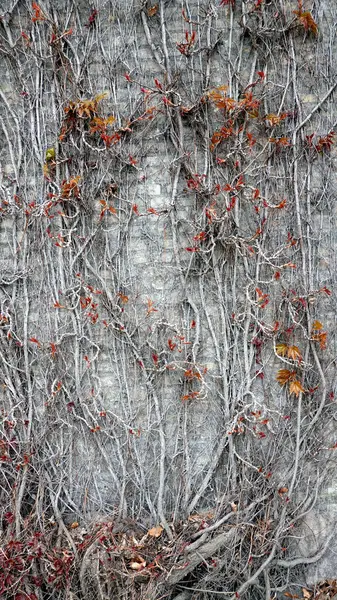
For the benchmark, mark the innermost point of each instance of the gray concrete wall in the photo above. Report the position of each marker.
(115, 436)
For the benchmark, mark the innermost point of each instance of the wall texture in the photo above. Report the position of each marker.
(167, 327)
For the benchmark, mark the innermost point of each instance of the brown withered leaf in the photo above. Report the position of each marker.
(137, 566)
(296, 387)
(152, 10)
(283, 376)
(155, 531)
(294, 353)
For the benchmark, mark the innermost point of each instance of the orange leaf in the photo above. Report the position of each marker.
(152, 10)
(317, 325)
(321, 338)
(123, 297)
(282, 490)
(150, 307)
(58, 305)
(38, 15)
(74, 525)
(296, 387)
(306, 19)
(35, 341)
(284, 375)
(155, 531)
(294, 353)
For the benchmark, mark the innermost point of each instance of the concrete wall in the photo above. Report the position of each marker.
(155, 456)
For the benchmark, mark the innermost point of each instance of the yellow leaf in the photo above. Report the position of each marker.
(296, 387)
(155, 531)
(294, 353)
(50, 154)
(102, 96)
(317, 325)
(281, 349)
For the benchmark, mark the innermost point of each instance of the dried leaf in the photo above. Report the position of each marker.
(136, 566)
(283, 490)
(317, 325)
(283, 376)
(152, 10)
(306, 593)
(294, 353)
(296, 387)
(321, 338)
(306, 19)
(155, 531)
(74, 525)
(281, 349)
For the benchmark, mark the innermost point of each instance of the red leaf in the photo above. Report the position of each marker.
(92, 18)
(27, 38)
(261, 74)
(158, 84)
(171, 345)
(35, 341)
(135, 209)
(155, 358)
(127, 76)
(325, 290)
